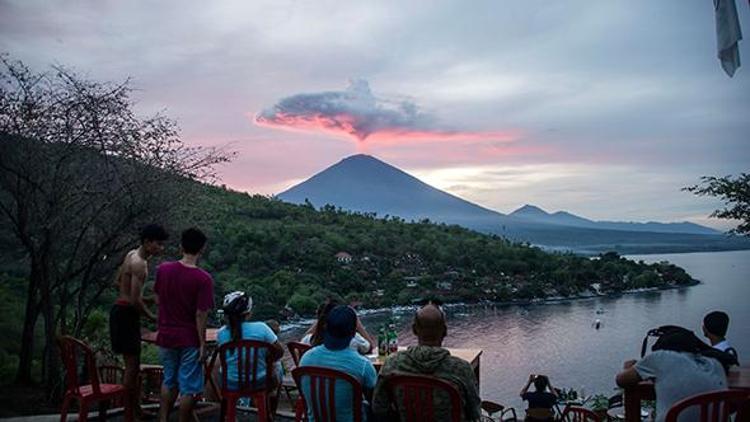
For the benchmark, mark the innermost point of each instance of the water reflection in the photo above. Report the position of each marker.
(559, 339)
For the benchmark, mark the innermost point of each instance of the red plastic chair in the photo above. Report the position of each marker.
(111, 374)
(248, 385)
(417, 392)
(579, 414)
(322, 389)
(297, 349)
(72, 350)
(491, 408)
(151, 379)
(715, 406)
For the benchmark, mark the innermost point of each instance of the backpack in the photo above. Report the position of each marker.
(658, 332)
(733, 352)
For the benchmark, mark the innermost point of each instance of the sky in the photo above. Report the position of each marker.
(604, 109)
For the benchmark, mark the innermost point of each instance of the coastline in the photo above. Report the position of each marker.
(403, 309)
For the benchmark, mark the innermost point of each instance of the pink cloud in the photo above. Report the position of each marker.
(357, 114)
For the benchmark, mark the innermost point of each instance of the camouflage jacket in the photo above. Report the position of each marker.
(436, 362)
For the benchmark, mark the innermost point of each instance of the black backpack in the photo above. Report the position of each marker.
(732, 352)
(658, 332)
(727, 359)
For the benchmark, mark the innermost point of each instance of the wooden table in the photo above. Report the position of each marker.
(469, 355)
(150, 336)
(738, 378)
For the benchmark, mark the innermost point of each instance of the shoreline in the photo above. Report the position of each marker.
(402, 309)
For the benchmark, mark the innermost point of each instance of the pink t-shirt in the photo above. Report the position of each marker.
(182, 291)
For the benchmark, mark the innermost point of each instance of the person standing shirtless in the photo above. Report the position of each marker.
(125, 315)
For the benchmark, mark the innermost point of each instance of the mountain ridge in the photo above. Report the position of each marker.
(567, 218)
(362, 183)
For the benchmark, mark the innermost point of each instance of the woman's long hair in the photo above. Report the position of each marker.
(238, 307)
(235, 325)
(678, 339)
(323, 310)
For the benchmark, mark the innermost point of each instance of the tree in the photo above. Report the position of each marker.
(302, 304)
(79, 173)
(734, 192)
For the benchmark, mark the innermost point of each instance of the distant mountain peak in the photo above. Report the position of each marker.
(529, 210)
(565, 213)
(365, 183)
(364, 164)
(361, 157)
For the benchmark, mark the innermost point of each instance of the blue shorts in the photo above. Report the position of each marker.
(182, 368)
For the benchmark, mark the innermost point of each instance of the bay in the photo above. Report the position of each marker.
(559, 339)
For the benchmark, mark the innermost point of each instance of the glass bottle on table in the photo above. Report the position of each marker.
(382, 342)
(392, 339)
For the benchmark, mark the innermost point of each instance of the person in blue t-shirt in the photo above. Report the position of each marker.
(334, 353)
(238, 310)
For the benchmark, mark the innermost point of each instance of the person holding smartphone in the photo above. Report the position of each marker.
(541, 402)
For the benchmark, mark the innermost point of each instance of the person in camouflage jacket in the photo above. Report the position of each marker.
(430, 358)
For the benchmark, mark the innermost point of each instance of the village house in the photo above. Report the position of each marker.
(411, 282)
(343, 257)
(444, 285)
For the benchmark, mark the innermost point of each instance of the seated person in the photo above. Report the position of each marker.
(680, 365)
(715, 325)
(274, 325)
(430, 358)
(335, 353)
(361, 342)
(238, 310)
(541, 402)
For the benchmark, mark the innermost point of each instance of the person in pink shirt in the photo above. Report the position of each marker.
(185, 295)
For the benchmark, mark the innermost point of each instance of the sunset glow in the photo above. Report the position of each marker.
(295, 88)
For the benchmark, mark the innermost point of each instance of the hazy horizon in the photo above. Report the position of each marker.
(604, 110)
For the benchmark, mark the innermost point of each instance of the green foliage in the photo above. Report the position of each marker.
(303, 304)
(284, 256)
(734, 192)
(598, 402)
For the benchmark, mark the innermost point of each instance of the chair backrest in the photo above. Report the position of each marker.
(297, 349)
(579, 414)
(111, 374)
(413, 396)
(248, 357)
(715, 406)
(72, 351)
(152, 377)
(321, 403)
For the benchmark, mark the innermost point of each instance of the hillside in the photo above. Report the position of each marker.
(287, 255)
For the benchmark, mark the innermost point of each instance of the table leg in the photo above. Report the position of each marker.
(208, 368)
(632, 403)
(476, 373)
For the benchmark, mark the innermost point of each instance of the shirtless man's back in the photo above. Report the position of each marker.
(125, 315)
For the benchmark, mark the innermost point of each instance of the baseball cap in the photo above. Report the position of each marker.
(341, 325)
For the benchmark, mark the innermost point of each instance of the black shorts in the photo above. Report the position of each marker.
(125, 329)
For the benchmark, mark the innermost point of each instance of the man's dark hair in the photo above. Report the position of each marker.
(541, 382)
(153, 232)
(324, 309)
(716, 323)
(193, 241)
